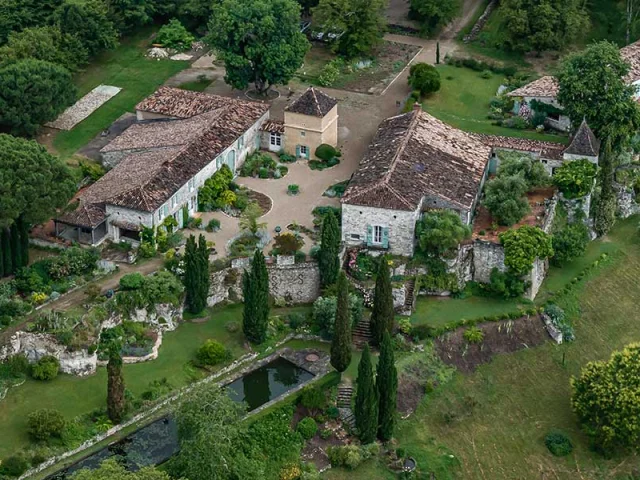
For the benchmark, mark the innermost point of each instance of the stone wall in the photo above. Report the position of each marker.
(486, 256)
(482, 21)
(297, 283)
(37, 345)
(626, 198)
(575, 205)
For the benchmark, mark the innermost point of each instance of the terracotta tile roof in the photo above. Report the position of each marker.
(167, 154)
(631, 53)
(86, 215)
(549, 150)
(584, 142)
(543, 87)
(413, 155)
(175, 102)
(273, 126)
(313, 102)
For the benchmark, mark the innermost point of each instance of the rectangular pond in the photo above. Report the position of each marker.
(158, 441)
(268, 382)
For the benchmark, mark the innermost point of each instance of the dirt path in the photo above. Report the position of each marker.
(78, 296)
(469, 8)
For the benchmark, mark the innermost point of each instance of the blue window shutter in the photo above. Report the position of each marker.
(298, 151)
(369, 235)
(385, 237)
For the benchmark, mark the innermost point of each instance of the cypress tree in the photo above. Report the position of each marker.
(366, 411)
(191, 275)
(437, 53)
(387, 388)
(23, 228)
(6, 251)
(341, 341)
(115, 386)
(605, 215)
(382, 314)
(2, 274)
(16, 251)
(328, 260)
(255, 287)
(202, 286)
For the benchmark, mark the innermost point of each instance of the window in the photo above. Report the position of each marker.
(275, 140)
(241, 142)
(162, 212)
(304, 150)
(302, 134)
(377, 234)
(355, 236)
(174, 201)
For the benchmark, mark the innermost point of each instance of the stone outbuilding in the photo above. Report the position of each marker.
(414, 164)
(309, 122)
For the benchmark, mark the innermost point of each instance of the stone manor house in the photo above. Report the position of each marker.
(417, 163)
(545, 89)
(181, 138)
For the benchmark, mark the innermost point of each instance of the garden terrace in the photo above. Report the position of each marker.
(538, 199)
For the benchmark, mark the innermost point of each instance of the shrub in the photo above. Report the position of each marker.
(313, 399)
(326, 152)
(263, 172)
(425, 78)
(523, 245)
(44, 424)
(212, 353)
(559, 320)
(558, 443)
(473, 335)
(486, 74)
(213, 225)
(505, 199)
(307, 427)
(93, 170)
(517, 122)
(287, 243)
(92, 291)
(46, 368)
(575, 178)
(14, 466)
(329, 74)
(351, 456)
(422, 332)
(569, 243)
(132, 281)
(404, 325)
(505, 284)
(174, 35)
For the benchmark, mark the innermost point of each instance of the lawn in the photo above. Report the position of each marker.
(438, 311)
(491, 424)
(75, 396)
(463, 101)
(125, 67)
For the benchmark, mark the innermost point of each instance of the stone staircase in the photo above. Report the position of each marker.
(345, 393)
(362, 333)
(410, 288)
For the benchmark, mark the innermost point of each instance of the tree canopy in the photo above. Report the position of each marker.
(19, 14)
(592, 87)
(255, 289)
(44, 43)
(523, 245)
(542, 24)
(33, 183)
(441, 231)
(532, 170)
(32, 93)
(605, 399)
(359, 24)
(328, 256)
(341, 341)
(505, 199)
(112, 470)
(425, 78)
(433, 13)
(89, 22)
(259, 41)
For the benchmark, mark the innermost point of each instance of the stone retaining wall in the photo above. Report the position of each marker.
(482, 21)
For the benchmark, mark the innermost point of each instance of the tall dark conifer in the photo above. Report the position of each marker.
(341, 341)
(191, 275)
(382, 314)
(606, 203)
(328, 260)
(366, 410)
(255, 287)
(6, 251)
(116, 405)
(387, 388)
(16, 250)
(23, 229)
(202, 290)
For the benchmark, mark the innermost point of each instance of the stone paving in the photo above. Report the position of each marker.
(84, 107)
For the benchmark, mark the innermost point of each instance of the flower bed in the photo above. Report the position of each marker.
(262, 165)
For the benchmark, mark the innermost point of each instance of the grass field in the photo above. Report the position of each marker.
(463, 101)
(75, 396)
(125, 67)
(498, 416)
(438, 311)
